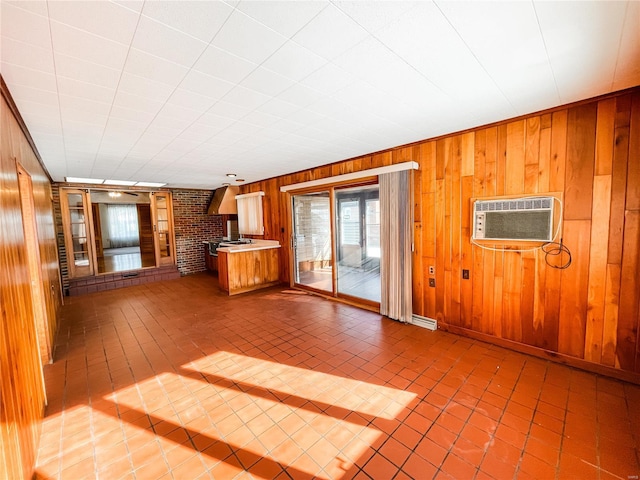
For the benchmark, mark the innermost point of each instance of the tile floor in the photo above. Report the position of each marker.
(175, 380)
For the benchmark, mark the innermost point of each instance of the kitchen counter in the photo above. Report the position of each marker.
(246, 267)
(248, 247)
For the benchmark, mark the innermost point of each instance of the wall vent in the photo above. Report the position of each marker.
(424, 322)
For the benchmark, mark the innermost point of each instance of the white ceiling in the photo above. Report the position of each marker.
(184, 92)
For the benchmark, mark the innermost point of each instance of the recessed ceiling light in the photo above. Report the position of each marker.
(240, 180)
(126, 183)
(226, 184)
(84, 180)
(150, 184)
(231, 175)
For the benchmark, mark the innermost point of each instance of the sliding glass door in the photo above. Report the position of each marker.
(313, 266)
(358, 243)
(336, 242)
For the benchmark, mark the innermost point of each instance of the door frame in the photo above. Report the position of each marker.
(331, 188)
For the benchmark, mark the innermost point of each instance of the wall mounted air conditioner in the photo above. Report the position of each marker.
(514, 219)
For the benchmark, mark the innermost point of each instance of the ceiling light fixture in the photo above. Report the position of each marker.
(240, 180)
(231, 175)
(150, 184)
(115, 194)
(226, 184)
(96, 181)
(124, 183)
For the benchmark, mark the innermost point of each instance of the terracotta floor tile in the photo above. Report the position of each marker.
(380, 467)
(298, 386)
(457, 467)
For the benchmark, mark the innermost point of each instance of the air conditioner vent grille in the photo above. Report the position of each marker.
(539, 203)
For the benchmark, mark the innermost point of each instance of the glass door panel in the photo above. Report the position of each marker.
(77, 233)
(358, 243)
(164, 233)
(312, 249)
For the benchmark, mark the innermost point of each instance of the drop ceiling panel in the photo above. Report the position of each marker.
(199, 19)
(224, 65)
(285, 17)
(24, 26)
(244, 37)
(105, 19)
(164, 42)
(330, 33)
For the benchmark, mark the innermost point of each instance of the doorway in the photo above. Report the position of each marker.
(108, 231)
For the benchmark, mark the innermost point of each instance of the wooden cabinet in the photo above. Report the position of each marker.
(243, 271)
(211, 261)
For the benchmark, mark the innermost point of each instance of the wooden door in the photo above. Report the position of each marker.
(77, 232)
(164, 241)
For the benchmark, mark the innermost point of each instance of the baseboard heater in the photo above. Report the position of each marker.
(424, 322)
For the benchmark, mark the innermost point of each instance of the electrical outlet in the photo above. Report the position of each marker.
(432, 282)
(432, 270)
(465, 274)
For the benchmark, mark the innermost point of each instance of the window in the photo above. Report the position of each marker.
(250, 221)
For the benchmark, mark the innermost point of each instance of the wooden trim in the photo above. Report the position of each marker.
(568, 360)
(347, 177)
(6, 94)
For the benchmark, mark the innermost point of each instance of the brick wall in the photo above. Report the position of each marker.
(192, 227)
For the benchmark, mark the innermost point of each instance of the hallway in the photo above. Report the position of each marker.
(176, 380)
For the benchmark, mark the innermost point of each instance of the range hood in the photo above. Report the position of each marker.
(224, 201)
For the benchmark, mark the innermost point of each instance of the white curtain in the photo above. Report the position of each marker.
(250, 220)
(396, 238)
(122, 222)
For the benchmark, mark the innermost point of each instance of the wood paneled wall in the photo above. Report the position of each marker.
(22, 395)
(589, 155)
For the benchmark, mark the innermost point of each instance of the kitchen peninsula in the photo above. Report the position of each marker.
(248, 266)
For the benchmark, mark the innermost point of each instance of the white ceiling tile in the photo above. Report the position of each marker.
(85, 46)
(89, 91)
(278, 108)
(374, 14)
(579, 43)
(285, 17)
(157, 39)
(86, 71)
(106, 19)
(137, 103)
(266, 81)
(229, 110)
(221, 64)
(246, 98)
(185, 98)
(39, 7)
(248, 39)
(144, 87)
(132, 114)
(24, 26)
(16, 75)
(23, 93)
(133, 5)
(300, 95)
(206, 85)
(294, 62)
(78, 104)
(329, 79)
(25, 55)
(201, 20)
(155, 68)
(330, 33)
